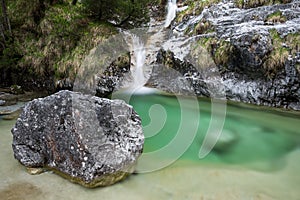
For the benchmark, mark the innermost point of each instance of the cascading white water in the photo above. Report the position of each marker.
(138, 48)
(172, 7)
(139, 52)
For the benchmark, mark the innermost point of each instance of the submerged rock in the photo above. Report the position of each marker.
(227, 139)
(2, 102)
(89, 140)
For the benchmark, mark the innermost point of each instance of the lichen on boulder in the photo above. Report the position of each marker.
(86, 139)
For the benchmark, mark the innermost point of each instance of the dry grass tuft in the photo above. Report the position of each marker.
(282, 49)
(258, 3)
(195, 7)
(276, 17)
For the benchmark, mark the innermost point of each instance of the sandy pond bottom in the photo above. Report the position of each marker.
(182, 180)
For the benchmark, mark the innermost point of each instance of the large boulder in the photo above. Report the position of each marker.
(89, 140)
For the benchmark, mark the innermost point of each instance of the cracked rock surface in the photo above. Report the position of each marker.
(89, 140)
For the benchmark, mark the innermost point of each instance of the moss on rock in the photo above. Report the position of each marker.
(258, 3)
(195, 7)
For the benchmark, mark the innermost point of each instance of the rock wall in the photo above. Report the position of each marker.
(256, 50)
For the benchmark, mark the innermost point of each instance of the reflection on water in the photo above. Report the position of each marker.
(255, 147)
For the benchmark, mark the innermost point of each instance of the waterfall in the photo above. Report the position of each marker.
(172, 7)
(138, 48)
(139, 53)
(138, 70)
(138, 58)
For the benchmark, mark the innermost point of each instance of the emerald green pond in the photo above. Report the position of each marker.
(257, 156)
(260, 138)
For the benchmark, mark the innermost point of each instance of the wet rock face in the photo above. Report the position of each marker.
(181, 77)
(89, 140)
(257, 66)
(172, 75)
(113, 76)
(251, 49)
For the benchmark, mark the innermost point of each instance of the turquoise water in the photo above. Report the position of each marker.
(260, 137)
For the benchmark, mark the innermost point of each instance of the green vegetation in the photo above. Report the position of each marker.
(50, 38)
(257, 3)
(276, 17)
(223, 53)
(195, 7)
(293, 42)
(203, 27)
(282, 48)
(119, 11)
(220, 50)
(53, 41)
